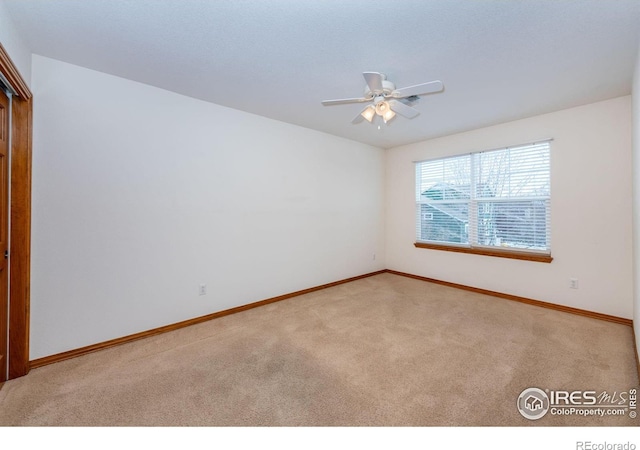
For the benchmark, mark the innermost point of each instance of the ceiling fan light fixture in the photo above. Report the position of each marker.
(368, 113)
(382, 108)
(386, 100)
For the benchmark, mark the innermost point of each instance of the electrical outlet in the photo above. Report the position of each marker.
(202, 290)
(573, 283)
(374, 256)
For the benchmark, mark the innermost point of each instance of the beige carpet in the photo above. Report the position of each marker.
(385, 350)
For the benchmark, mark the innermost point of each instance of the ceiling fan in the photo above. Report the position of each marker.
(386, 98)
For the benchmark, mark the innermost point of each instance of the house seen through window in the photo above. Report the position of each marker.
(494, 199)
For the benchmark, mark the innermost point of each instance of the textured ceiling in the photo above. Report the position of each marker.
(499, 60)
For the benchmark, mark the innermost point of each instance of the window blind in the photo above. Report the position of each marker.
(498, 198)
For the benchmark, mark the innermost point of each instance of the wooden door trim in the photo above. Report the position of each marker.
(20, 241)
(5, 133)
(20, 229)
(12, 75)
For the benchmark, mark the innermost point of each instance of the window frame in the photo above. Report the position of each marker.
(543, 256)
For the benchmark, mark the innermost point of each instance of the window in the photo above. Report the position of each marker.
(495, 202)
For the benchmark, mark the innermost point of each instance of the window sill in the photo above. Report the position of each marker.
(513, 254)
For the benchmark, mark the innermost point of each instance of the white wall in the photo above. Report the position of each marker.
(14, 44)
(590, 210)
(140, 195)
(636, 201)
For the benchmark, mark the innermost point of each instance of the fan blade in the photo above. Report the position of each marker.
(418, 89)
(402, 109)
(374, 81)
(357, 119)
(344, 101)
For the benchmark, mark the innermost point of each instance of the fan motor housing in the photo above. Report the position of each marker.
(387, 88)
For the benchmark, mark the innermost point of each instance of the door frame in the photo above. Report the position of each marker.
(20, 216)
